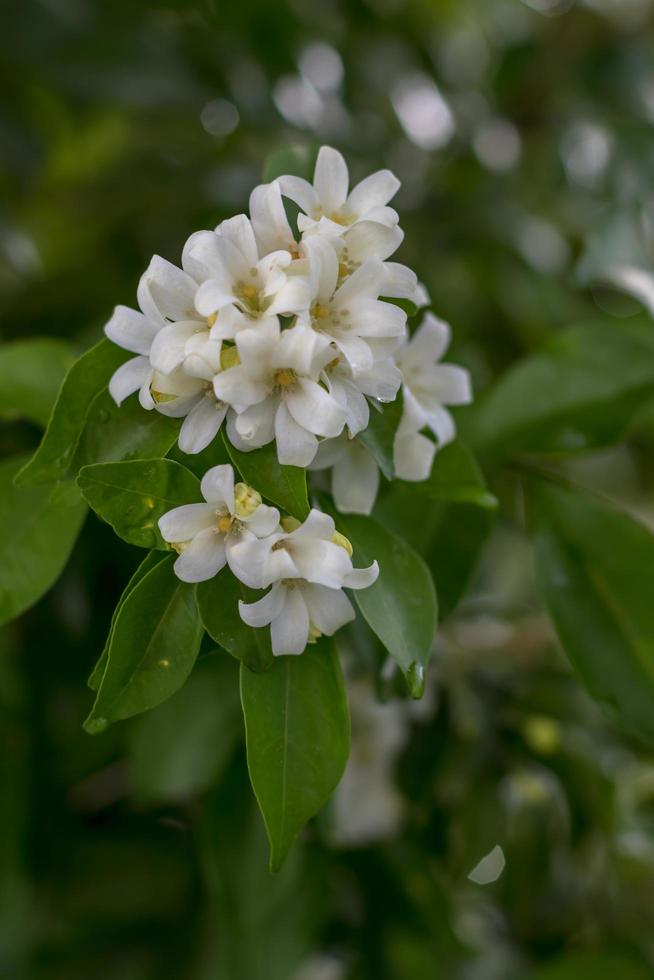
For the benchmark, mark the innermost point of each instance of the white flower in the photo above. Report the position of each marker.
(178, 358)
(164, 293)
(275, 394)
(240, 285)
(327, 201)
(431, 385)
(207, 534)
(361, 326)
(355, 474)
(309, 568)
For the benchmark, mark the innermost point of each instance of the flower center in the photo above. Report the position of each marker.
(249, 294)
(224, 523)
(212, 319)
(319, 311)
(285, 377)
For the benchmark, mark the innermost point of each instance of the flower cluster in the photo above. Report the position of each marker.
(307, 565)
(291, 337)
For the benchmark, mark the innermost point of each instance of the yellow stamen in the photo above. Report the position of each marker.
(212, 319)
(285, 377)
(225, 523)
(319, 311)
(343, 270)
(161, 396)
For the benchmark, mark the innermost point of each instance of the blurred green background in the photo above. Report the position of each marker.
(502, 828)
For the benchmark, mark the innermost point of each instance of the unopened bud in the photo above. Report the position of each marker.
(246, 500)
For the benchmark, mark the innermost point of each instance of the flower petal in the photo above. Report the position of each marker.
(300, 191)
(315, 409)
(264, 521)
(413, 456)
(331, 179)
(289, 630)
(238, 230)
(374, 191)
(368, 238)
(217, 486)
(269, 219)
(399, 281)
(236, 387)
(201, 425)
(361, 578)
(183, 523)
(262, 612)
(295, 446)
(202, 558)
(169, 345)
(364, 283)
(129, 377)
(166, 292)
(355, 481)
(329, 609)
(131, 330)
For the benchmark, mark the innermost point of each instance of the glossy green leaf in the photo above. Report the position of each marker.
(38, 528)
(401, 605)
(448, 534)
(87, 376)
(31, 372)
(579, 391)
(297, 734)
(379, 437)
(153, 646)
(218, 600)
(455, 476)
(133, 495)
(180, 747)
(285, 486)
(141, 571)
(112, 433)
(594, 566)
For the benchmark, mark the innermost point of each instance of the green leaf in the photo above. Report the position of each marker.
(142, 570)
(285, 486)
(579, 391)
(31, 372)
(38, 528)
(112, 433)
(179, 748)
(409, 307)
(218, 600)
(153, 646)
(594, 567)
(449, 535)
(379, 437)
(133, 495)
(297, 733)
(296, 160)
(454, 476)
(401, 605)
(88, 375)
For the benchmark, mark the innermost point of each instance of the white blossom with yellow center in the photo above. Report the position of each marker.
(206, 534)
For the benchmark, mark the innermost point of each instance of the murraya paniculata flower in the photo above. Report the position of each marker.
(308, 565)
(294, 337)
(206, 534)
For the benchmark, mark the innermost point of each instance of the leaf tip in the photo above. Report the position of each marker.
(95, 726)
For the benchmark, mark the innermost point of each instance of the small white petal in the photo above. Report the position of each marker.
(373, 192)
(202, 558)
(355, 481)
(361, 578)
(169, 345)
(201, 425)
(264, 521)
(183, 523)
(238, 230)
(329, 609)
(399, 281)
(131, 330)
(262, 612)
(129, 377)
(166, 292)
(295, 446)
(300, 191)
(331, 179)
(413, 456)
(314, 408)
(364, 283)
(289, 630)
(217, 486)
(369, 238)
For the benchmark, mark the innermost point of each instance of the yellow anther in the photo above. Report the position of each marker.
(289, 524)
(229, 358)
(339, 218)
(342, 542)
(224, 524)
(285, 377)
(333, 364)
(212, 319)
(343, 270)
(247, 291)
(319, 311)
(246, 500)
